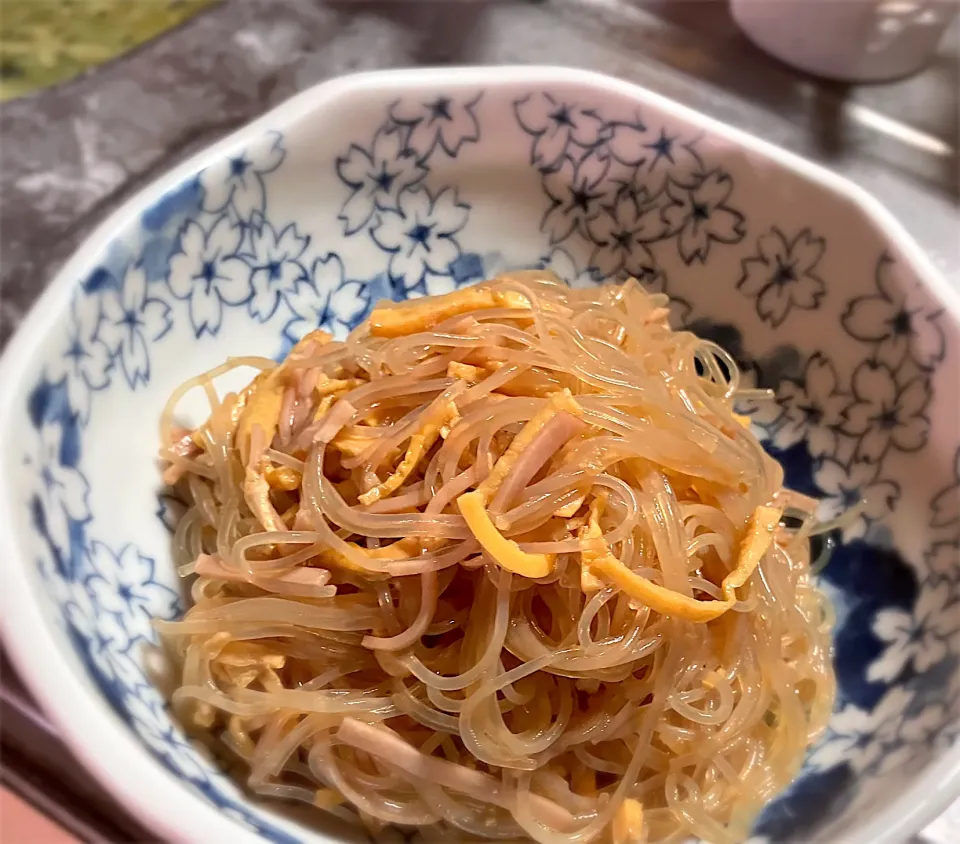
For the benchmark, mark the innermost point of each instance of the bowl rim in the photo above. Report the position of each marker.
(119, 762)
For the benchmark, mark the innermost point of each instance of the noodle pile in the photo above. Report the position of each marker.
(504, 564)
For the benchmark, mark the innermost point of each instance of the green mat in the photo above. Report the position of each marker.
(43, 42)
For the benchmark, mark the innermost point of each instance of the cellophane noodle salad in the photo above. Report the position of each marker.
(503, 564)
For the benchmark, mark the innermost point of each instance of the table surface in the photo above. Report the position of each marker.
(74, 152)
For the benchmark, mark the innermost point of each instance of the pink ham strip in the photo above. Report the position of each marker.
(183, 447)
(338, 416)
(551, 438)
(288, 408)
(210, 566)
(449, 491)
(183, 444)
(385, 744)
(308, 381)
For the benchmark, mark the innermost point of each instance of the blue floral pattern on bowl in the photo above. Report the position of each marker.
(617, 193)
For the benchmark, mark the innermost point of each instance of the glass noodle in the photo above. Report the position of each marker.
(503, 564)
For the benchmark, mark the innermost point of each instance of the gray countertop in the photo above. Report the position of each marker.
(71, 153)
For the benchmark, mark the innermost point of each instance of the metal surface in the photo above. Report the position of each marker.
(71, 154)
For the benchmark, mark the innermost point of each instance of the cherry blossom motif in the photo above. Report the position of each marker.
(236, 180)
(61, 490)
(950, 732)
(885, 414)
(131, 321)
(946, 503)
(921, 638)
(55, 587)
(124, 583)
(781, 275)
(207, 272)
(626, 140)
(901, 319)
(621, 232)
(578, 191)
(170, 509)
(699, 214)
(436, 285)
(923, 727)
(251, 821)
(656, 155)
(562, 263)
(813, 410)
(846, 486)
(421, 235)
(943, 559)
(84, 360)
(860, 738)
(560, 128)
(107, 643)
(327, 300)
(470, 267)
(377, 176)
(275, 260)
(154, 726)
(438, 121)
(245, 819)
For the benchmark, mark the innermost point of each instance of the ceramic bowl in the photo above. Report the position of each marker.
(408, 183)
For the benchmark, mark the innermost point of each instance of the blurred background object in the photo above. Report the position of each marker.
(848, 40)
(43, 42)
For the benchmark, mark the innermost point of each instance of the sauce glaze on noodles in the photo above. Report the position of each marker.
(504, 565)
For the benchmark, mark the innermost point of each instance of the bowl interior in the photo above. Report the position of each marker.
(419, 183)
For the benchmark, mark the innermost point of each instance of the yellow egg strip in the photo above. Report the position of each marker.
(256, 492)
(561, 401)
(332, 386)
(420, 443)
(283, 477)
(260, 402)
(423, 314)
(466, 372)
(589, 582)
(352, 444)
(598, 559)
(308, 344)
(627, 824)
(262, 408)
(397, 551)
(505, 552)
(755, 544)
(327, 798)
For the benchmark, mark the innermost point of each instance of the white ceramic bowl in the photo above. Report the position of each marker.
(410, 182)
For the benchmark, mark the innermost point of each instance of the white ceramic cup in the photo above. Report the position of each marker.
(849, 40)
